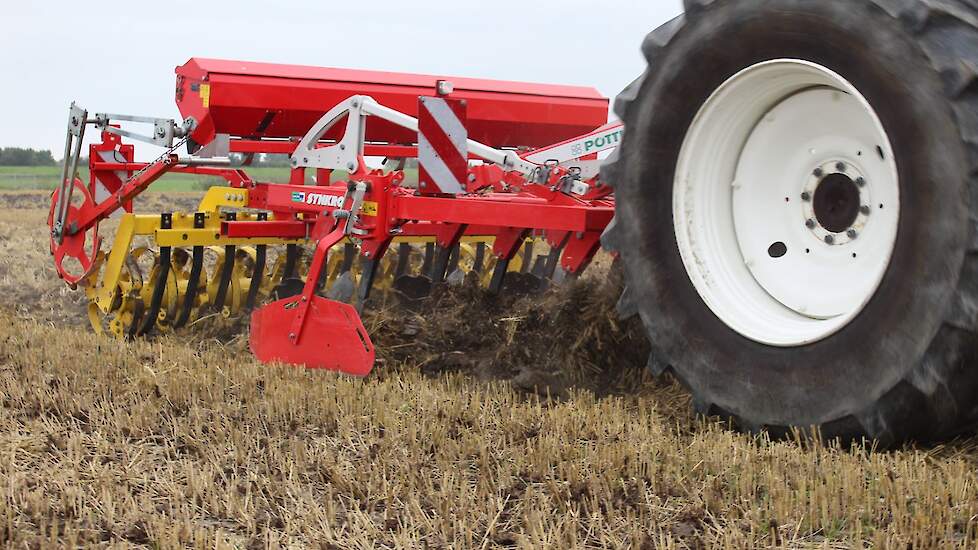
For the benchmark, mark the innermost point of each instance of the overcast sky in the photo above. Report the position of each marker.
(119, 56)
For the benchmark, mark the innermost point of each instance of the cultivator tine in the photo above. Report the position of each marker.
(498, 275)
(193, 283)
(132, 330)
(440, 265)
(257, 275)
(227, 268)
(455, 275)
(480, 258)
(344, 286)
(291, 261)
(429, 258)
(368, 273)
(151, 315)
(404, 251)
(553, 260)
(527, 261)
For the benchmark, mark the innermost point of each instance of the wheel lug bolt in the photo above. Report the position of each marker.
(806, 196)
(829, 239)
(810, 224)
(861, 182)
(852, 234)
(841, 167)
(865, 210)
(818, 172)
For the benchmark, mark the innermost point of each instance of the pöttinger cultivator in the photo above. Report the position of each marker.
(480, 205)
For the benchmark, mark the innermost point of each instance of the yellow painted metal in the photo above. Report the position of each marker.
(216, 197)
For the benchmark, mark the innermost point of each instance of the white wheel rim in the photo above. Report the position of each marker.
(781, 153)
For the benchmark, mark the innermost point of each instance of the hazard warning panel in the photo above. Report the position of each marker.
(442, 146)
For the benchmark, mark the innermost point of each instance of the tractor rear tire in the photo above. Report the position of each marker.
(893, 360)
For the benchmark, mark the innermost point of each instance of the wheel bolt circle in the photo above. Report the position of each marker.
(861, 181)
(865, 210)
(810, 224)
(829, 239)
(806, 196)
(841, 167)
(852, 234)
(818, 172)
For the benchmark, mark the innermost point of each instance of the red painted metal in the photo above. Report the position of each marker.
(311, 331)
(72, 258)
(248, 99)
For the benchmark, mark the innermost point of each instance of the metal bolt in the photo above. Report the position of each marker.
(810, 224)
(291, 336)
(818, 172)
(342, 147)
(806, 196)
(865, 210)
(861, 182)
(829, 239)
(841, 167)
(351, 166)
(852, 234)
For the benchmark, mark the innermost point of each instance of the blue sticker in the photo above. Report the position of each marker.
(298, 196)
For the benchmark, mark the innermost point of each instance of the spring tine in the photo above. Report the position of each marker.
(440, 265)
(350, 254)
(455, 276)
(527, 262)
(553, 260)
(149, 319)
(226, 269)
(498, 275)
(193, 284)
(368, 271)
(257, 275)
(454, 259)
(480, 258)
(403, 259)
(137, 316)
(539, 267)
(151, 314)
(429, 257)
(291, 261)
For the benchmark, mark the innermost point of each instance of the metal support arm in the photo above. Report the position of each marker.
(345, 154)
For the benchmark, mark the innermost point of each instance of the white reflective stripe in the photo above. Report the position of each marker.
(450, 124)
(436, 168)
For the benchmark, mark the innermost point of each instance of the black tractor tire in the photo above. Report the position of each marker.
(906, 368)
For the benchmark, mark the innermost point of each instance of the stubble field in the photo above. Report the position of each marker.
(526, 423)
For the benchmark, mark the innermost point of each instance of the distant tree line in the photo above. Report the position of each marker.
(18, 156)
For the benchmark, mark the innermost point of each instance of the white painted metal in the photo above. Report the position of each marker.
(753, 150)
(606, 138)
(344, 154)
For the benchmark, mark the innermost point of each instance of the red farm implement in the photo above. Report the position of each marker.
(502, 167)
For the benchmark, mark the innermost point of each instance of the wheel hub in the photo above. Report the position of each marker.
(836, 202)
